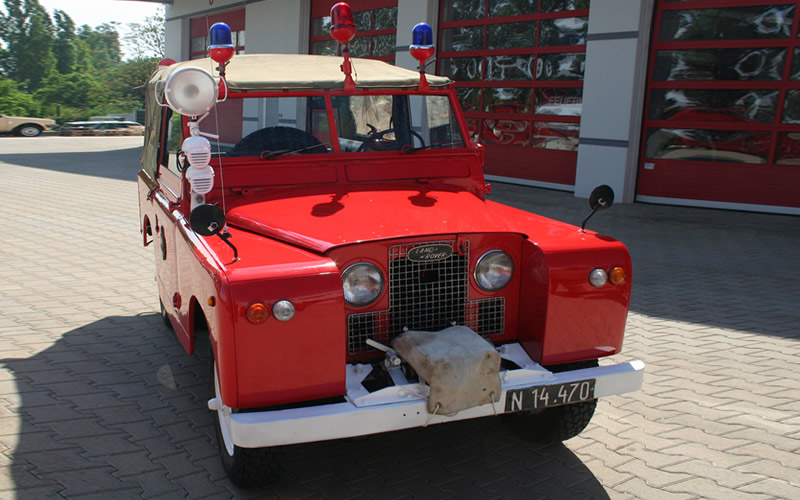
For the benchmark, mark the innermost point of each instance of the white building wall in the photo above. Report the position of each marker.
(176, 41)
(278, 26)
(613, 96)
(198, 7)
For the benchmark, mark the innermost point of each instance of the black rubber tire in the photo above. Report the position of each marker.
(28, 130)
(246, 467)
(555, 424)
(164, 316)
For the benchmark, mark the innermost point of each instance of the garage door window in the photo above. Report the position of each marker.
(518, 68)
(723, 90)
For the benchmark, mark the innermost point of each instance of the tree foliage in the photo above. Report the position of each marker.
(64, 47)
(146, 39)
(50, 67)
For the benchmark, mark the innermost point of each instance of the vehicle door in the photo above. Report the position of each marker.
(167, 201)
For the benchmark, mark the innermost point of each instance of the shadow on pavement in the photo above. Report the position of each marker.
(116, 408)
(122, 164)
(720, 268)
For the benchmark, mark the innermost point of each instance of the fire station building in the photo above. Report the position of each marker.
(684, 102)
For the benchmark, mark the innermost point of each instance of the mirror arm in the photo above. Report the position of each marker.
(225, 236)
(583, 224)
(601, 203)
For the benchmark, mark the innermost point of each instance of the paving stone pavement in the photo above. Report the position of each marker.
(98, 400)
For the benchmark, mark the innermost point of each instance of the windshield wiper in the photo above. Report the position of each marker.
(268, 155)
(408, 149)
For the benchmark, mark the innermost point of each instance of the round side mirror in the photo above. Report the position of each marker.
(207, 220)
(602, 197)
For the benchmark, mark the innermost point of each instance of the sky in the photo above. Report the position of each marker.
(97, 12)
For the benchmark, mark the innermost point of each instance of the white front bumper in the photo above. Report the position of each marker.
(404, 405)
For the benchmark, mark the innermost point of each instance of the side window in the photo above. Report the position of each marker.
(172, 142)
(432, 117)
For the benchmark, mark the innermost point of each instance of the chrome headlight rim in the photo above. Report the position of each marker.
(350, 269)
(477, 277)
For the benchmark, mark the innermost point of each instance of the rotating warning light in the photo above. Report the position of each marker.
(220, 44)
(191, 91)
(421, 47)
(343, 29)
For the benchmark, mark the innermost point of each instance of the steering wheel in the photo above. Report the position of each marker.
(377, 138)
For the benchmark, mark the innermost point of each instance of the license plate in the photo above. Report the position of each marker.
(547, 396)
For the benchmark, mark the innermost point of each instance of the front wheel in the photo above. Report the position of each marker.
(29, 131)
(555, 424)
(246, 467)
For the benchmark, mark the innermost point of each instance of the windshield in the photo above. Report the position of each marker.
(395, 122)
(267, 127)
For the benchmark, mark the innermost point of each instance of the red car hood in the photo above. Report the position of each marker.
(320, 222)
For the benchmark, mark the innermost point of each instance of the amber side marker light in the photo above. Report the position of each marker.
(616, 276)
(257, 313)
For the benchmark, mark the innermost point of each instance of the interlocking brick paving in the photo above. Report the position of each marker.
(97, 398)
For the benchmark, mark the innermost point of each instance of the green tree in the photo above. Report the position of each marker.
(77, 90)
(103, 43)
(128, 78)
(64, 47)
(147, 39)
(13, 101)
(27, 31)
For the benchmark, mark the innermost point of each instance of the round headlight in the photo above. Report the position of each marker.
(494, 270)
(283, 310)
(362, 283)
(598, 277)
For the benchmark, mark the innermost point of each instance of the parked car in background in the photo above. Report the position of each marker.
(24, 126)
(102, 128)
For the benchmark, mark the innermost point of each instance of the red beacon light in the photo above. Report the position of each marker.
(422, 49)
(343, 29)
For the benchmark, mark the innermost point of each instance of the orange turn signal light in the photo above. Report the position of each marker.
(616, 276)
(257, 313)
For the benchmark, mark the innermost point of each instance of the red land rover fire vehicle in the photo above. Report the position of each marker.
(334, 244)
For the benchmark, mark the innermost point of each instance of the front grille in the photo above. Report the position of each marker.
(426, 296)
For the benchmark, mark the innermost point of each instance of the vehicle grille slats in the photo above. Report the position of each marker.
(427, 296)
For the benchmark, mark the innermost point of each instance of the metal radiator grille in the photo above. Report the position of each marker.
(426, 296)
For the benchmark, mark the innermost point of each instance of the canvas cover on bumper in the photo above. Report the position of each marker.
(461, 368)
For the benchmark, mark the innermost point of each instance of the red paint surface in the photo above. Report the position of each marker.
(297, 222)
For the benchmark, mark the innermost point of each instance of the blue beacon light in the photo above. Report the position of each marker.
(220, 44)
(422, 35)
(422, 49)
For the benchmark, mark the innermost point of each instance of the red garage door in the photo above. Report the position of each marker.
(518, 67)
(722, 123)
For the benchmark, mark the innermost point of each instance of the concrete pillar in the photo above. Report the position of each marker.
(277, 26)
(176, 40)
(613, 96)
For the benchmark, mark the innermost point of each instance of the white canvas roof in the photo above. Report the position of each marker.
(305, 72)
